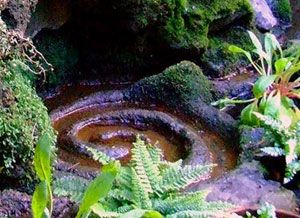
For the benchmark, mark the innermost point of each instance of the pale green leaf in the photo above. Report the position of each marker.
(98, 188)
(42, 158)
(40, 200)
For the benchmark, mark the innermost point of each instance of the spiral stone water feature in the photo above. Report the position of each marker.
(109, 122)
(110, 119)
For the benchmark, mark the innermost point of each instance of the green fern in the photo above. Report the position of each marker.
(140, 193)
(70, 186)
(287, 141)
(99, 156)
(144, 166)
(150, 184)
(176, 177)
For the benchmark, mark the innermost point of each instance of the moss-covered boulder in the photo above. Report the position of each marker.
(182, 24)
(182, 83)
(23, 119)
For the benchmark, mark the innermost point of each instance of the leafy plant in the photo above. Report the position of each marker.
(149, 187)
(42, 200)
(23, 117)
(273, 93)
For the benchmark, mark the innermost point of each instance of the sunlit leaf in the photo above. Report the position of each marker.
(255, 41)
(42, 158)
(98, 188)
(40, 200)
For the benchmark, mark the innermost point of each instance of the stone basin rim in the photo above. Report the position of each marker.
(197, 150)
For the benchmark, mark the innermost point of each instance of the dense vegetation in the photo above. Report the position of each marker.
(23, 117)
(273, 105)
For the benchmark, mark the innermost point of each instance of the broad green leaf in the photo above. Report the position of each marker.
(280, 65)
(262, 84)
(40, 200)
(236, 49)
(275, 44)
(98, 188)
(42, 158)
(247, 116)
(269, 49)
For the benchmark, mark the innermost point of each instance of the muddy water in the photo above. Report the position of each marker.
(223, 154)
(294, 31)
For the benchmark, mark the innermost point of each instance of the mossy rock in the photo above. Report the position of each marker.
(23, 119)
(179, 83)
(218, 60)
(189, 22)
(180, 24)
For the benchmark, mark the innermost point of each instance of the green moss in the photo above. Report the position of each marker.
(188, 21)
(285, 10)
(23, 119)
(182, 82)
(218, 59)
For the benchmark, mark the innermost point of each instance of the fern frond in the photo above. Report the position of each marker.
(140, 195)
(156, 154)
(121, 194)
(176, 178)
(189, 201)
(291, 170)
(99, 156)
(273, 151)
(124, 209)
(145, 168)
(173, 204)
(70, 186)
(123, 179)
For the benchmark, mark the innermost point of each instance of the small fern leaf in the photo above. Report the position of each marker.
(121, 194)
(70, 186)
(175, 203)
(176, 178)
(189, 201)
(99, 156)
(147, 171)
(125, 209)
(140, 194)
(156, 154)
(273, 151)
(123, 179)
